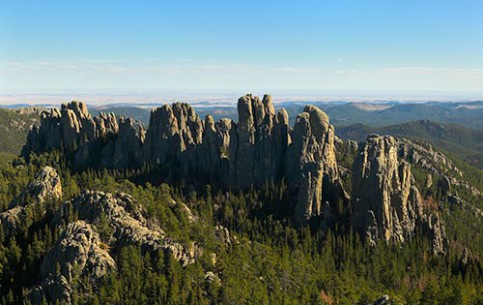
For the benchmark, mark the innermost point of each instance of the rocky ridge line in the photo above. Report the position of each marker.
(260, 147)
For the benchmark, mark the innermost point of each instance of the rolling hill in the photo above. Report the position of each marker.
(464, 142)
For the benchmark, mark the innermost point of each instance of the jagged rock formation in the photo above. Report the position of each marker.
(383, 192)
(92, 140)
(69, 128)
(427, 158)
(387, 204)
(255, 160)
(435, 163)
(78, 252)
(172, 130)
(232, 155)
(435, 231)
(125, 218)
(105, 223)
(257, 149)
(46, 186)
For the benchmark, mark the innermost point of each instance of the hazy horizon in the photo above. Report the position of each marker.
(229, 97)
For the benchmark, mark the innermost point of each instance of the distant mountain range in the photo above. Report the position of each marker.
(464, 142)
(468, 114)
(343, 114)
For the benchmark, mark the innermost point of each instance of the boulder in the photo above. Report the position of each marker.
(223, 235)
(384, 300)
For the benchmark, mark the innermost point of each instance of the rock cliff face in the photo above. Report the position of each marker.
(311, 163)
(91, 140)
(256, 160)
(173, 138)
(127, 148)
(233, 155)
(386, 205)
(386, 202)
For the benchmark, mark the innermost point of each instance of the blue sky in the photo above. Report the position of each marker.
(205, 45)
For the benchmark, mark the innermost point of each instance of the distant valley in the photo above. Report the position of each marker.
(463, 142)
(467, 114)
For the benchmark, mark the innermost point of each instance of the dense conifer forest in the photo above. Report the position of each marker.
(265, 259)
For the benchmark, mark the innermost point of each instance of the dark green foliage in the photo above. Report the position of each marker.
(269, 260)
(464, 142)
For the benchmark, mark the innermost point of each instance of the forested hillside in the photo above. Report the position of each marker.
(466, 143)
(14, 126)
(252, 253)
(99, 210)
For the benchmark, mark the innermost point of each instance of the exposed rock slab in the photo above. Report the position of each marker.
(46, 186)
(129, 226)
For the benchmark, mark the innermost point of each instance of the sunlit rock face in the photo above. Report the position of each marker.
(311, 165)
(386, 202)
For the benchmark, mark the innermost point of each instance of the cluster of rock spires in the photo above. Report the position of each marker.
(73, 129)
(260, 147)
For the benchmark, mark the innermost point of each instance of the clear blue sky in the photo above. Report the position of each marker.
(336, 45)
